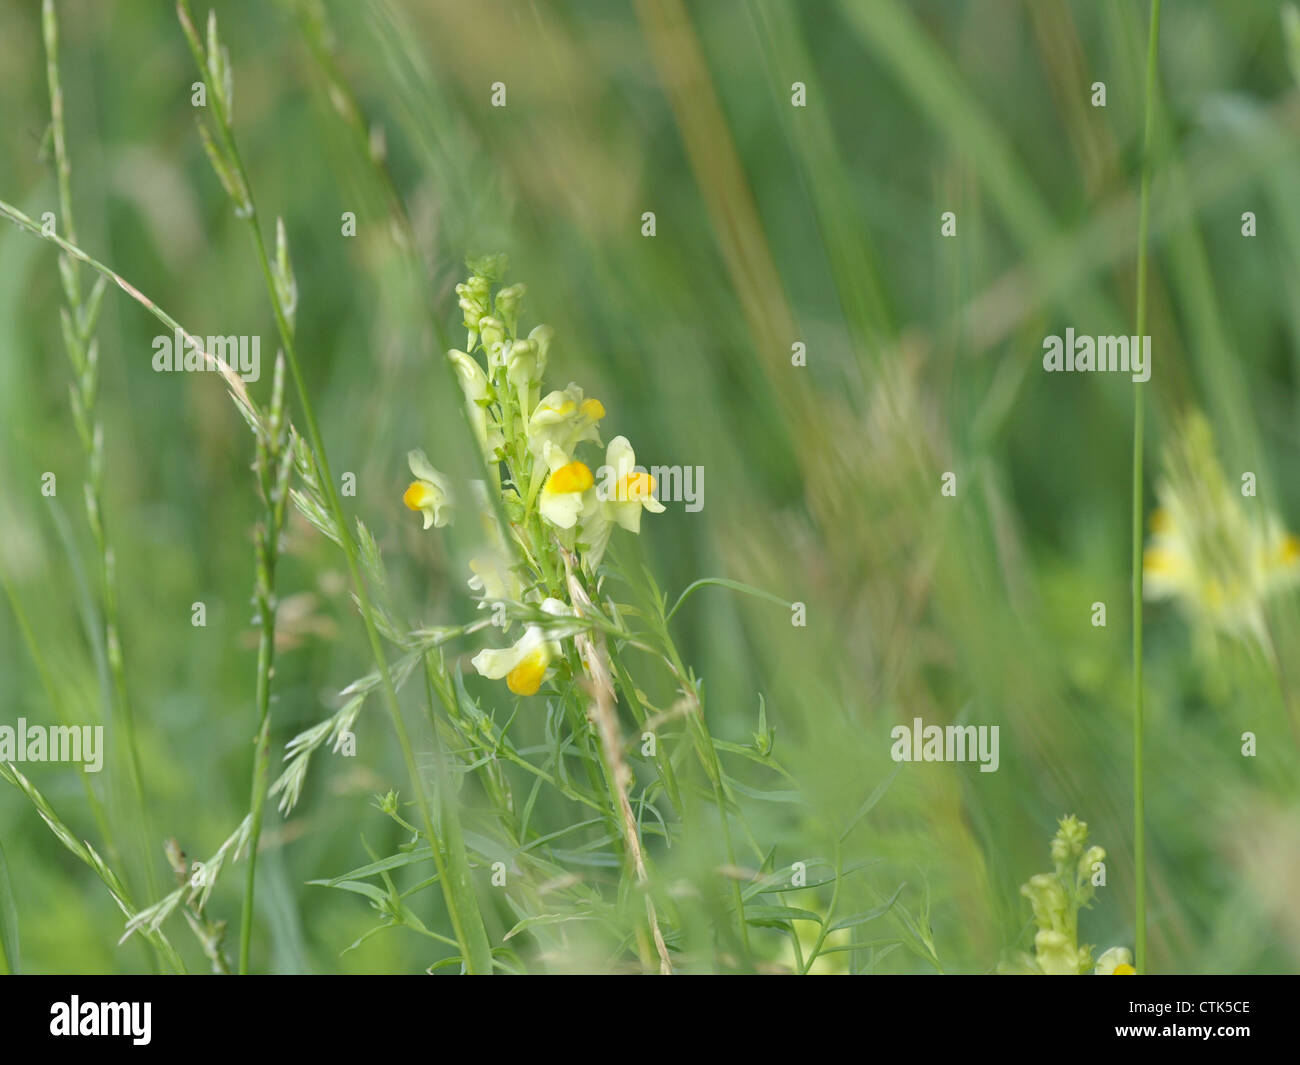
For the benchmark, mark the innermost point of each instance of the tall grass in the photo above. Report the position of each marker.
(1139, 776)
(475, 830)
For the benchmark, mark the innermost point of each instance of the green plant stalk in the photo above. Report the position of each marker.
(116, 888)
(261, 770)
(238, 392)
(81, 319)
(703, 739)
(825, 928)
(274, 466)
(1139, 809)
(453, 865)
(348, 107)
(462, 905)
(713, 769)
(237, 388)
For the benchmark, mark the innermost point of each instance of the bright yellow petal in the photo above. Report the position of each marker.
(526, 677)
(1124, 970)
(575, 477)
(636, 487)
(417, 496)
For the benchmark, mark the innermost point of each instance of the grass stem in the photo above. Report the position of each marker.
(1139, 811)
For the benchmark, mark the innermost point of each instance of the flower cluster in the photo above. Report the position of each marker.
(1220, 562)
(557, 510)
(1056, 899)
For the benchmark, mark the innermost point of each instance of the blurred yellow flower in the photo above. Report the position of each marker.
(1207, 551)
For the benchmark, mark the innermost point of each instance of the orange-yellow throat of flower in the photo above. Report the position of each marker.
(417, 496)
(526, 677)
(636, 487)
(575, 477)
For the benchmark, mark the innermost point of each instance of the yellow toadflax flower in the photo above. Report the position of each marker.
(525, 663)
(1118, 961)
(622, 493)
(561, 497)
(429, 493)
(564, 420)
(627, 490)
(493, 580)
(1207, 551)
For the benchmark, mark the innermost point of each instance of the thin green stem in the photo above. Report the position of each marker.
(1139, 811)
(708, 755)
(79, 325)
(462, 905)
(274, 465)
(825, 928)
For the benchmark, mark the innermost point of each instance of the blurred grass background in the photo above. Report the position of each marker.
(775, 225)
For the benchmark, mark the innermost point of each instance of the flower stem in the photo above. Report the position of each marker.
(1139, 815)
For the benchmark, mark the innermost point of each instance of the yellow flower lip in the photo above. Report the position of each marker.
(575, 477)
(563, 410)
(526, 677)
(636, 487)
(1290, 550)
(593, 409)
(417, 495)
(1124, 969)
(1158, 561)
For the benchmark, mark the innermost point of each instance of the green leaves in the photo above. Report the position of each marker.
(869, 915)
(722, 582)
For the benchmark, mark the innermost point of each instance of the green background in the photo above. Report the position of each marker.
(775, 225)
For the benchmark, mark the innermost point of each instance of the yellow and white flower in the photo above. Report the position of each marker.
(524, 664)
(622, 492)
(1118, 961)
(625, 489)
(494, 581)
(562, 496)
(429, 493)
(563, 419)
(1206, 551)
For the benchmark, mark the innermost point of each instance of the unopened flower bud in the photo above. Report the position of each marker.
(508, 302)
